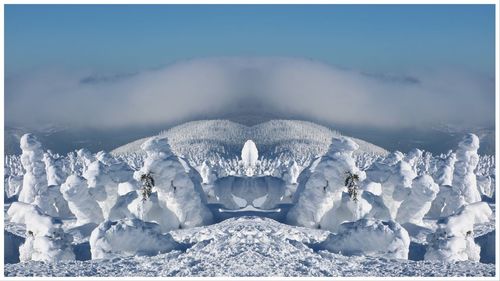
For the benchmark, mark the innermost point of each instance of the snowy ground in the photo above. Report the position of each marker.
(249, 246)
(248, 232)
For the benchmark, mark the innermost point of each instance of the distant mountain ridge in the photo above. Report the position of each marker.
(271, 137)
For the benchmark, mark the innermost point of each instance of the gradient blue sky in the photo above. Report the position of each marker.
(128, 38)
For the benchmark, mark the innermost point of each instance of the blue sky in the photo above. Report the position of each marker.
(129, 38)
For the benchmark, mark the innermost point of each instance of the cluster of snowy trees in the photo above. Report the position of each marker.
(394, 191)
(131, 201)
(102, 193)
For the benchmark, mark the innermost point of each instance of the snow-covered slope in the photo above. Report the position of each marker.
(226, 137)
(250, 246)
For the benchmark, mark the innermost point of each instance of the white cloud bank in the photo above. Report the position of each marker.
(282, 86)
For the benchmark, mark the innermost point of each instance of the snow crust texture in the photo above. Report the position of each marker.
(249, 246)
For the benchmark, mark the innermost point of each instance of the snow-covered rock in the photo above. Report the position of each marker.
(322, 191)
(370, 237)
(418, 203)
(80, 202)
(129, 237)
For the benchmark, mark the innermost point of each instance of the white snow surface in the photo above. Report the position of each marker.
(250, 246)
(160, 202)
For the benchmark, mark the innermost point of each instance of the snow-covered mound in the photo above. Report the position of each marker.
(238, 192)
(454, 239)
(129, 237)
(250, 246)
(46, 240)
(370, 237)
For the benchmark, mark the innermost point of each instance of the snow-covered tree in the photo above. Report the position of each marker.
(454, 238)
(176, 190)
(104, 175)
(395, 175)
(418, 203)
(81, 204)
(45, 239)
(322, 191)
(35, 188)
(53, 169)
(464, 189)
(249, 157)
(444, 175)
(464, 178)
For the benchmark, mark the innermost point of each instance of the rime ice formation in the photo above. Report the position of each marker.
(35, 188)
(128, 237)
(45, 239)
(413, 157)
(249, 157)
(323, 189)
(176, 190)
(395, 175)
(347, 210)
(454, 238)
(370, 237)
(206, 173)
(444, 174)
(418, 203)
(53, 169)
(104, 175)
(102, 188)
(464, 179)
(147, 210)
(55, 177)
(446, 203)
(292, 173)
(81, 204)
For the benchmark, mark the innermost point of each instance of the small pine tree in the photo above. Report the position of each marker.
(147, 186)
(351, 182)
